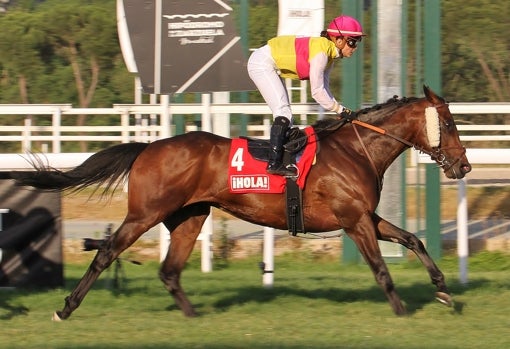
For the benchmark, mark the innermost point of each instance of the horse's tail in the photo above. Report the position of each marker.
(107, 167)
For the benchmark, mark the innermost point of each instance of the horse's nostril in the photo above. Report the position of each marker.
(465, 168)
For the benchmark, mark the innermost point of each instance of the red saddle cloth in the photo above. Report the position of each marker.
(248, 175)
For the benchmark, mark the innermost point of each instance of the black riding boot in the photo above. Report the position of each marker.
(275, 164)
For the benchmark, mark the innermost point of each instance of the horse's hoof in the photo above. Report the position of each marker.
(55, 317)
(444, 298)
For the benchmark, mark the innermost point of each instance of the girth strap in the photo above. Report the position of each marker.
(295, 221)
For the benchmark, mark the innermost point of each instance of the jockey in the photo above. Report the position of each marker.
(304, 58)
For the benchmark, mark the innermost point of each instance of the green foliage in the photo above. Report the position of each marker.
(37, 39)
(475, 50)
(21, 43)
(263, 22)
(55, 46)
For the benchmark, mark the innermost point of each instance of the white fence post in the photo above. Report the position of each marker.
(57, 121)
(124, 121)
(221, 121)
(268, 272)
(2, 211)
(207, 228)
(462, 231)
(206, 237)
(166, 118)
(27, 132)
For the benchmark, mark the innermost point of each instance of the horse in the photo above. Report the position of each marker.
(178, 180)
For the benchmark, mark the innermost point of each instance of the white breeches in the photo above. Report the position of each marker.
(264, 73)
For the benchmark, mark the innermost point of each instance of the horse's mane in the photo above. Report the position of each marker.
(369, 114)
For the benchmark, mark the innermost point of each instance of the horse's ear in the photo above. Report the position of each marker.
(431, 96)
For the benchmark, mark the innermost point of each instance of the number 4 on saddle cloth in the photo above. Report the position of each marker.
(247, 171)
(248, 161)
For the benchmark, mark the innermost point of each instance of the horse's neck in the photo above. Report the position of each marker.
(383, 149)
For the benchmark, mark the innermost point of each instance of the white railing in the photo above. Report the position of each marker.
(147, 122)
(131, 124)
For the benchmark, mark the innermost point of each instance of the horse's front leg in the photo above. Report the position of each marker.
(183, 237)
(364, 235)
(389, 232)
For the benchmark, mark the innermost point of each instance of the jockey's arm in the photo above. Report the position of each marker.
(319, 83)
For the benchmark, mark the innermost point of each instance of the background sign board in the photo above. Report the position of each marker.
(300, 17)
(183, 46)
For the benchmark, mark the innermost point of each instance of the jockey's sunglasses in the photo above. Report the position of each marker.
(352, 43)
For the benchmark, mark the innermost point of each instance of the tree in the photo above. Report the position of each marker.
(476, 44)
(67, 51)
(86, 40)
(21, 42)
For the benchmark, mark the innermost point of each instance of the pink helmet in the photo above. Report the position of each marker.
(345, 26)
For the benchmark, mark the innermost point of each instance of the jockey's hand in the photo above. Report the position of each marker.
(347, 114)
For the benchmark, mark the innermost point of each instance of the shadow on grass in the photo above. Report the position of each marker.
(9, 304)
(9, 311)
(415, 296)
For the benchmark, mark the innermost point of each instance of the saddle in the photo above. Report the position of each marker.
(296, 141)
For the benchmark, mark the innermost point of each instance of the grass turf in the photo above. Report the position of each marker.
(313, 304)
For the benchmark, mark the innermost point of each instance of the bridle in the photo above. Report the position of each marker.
(437, 153)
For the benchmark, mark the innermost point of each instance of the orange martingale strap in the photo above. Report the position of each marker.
(372, 127)
(383, 132)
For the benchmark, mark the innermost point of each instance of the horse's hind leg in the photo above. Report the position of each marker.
(184, 226)
(389, 232)
(124, 237)
(364, 237)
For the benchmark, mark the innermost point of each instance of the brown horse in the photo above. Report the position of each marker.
(177, 180)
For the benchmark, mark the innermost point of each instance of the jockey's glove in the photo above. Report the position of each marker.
(347, 114)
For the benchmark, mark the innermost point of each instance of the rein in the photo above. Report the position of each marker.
(383, 132)
(436, 155)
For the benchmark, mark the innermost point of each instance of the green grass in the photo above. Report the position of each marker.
(313, 304)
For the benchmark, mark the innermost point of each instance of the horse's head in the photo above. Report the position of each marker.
(440, 137)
